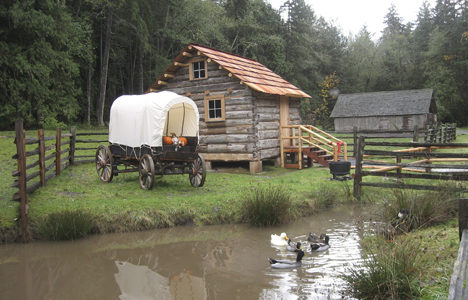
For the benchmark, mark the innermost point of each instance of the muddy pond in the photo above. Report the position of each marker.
(209, 262)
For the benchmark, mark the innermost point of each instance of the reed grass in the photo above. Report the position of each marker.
(390, 271)
(423, 209)
(65, 225)
(266, 205)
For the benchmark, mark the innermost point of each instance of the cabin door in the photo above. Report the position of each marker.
(284, 118)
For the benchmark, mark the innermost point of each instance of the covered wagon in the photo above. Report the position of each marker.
(153, 134)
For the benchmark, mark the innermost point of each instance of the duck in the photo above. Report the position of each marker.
(287, 264)
(279, 240)
(312, 238)
(321, 246)
(293, 246)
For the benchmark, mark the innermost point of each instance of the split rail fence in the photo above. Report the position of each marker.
(54, 154)
(381, 162)
(439, 133)
(425, 164)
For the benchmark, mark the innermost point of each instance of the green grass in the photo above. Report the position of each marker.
(123, 206)
(417, 265)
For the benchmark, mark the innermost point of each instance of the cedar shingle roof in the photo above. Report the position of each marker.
(391, 103)
(248, 71)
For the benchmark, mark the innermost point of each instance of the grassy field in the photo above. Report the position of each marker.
(122, 206)
(122, 203)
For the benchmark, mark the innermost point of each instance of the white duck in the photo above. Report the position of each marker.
(279, 240)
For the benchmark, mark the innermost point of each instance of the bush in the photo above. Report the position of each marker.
(328, 195)
(424, 209)
(266, 206)
(66, 225)
(390, 271)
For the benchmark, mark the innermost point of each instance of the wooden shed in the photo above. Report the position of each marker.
(391, 110)
(241, 102)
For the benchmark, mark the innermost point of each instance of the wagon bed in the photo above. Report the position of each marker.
(138, 125)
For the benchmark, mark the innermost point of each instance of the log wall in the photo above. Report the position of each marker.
(250, 130)
(233, 135)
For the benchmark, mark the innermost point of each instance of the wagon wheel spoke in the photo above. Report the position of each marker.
(146, 172)
(104, 162)
(198, 172)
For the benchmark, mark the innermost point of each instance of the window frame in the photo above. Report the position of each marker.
(191, 69)
(207, 108)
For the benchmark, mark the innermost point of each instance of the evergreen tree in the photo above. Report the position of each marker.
(41, 46)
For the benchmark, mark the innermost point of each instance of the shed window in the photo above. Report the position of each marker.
(214, 108)
(198, 70)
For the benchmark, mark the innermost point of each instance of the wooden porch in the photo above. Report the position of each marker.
(302, 145)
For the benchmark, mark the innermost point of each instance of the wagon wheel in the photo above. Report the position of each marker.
(198, 172)
(146, 172)
(104, 163)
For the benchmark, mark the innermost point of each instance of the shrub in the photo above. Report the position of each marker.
(424, 209)
(326, 196)
(266, 206)
(66, 225)
(390, 271)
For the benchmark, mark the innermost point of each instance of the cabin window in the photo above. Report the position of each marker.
(214, 108)
(198, 70)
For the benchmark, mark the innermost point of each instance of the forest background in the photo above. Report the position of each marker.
(64, 62)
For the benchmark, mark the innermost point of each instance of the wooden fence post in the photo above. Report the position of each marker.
(355, 140)
(415, 133)
(72, 145)
(440, 133)
(398, 161)
(40, 134)
(462, 215)
(21, 151)
(358, 168)
(58, 142)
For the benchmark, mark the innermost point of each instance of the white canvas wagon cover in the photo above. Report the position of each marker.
(137, 120)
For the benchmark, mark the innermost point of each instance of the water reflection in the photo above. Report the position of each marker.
(213, 262)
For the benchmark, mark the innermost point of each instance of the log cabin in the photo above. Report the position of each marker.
(242, 103)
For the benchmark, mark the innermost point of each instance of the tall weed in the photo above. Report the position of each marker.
(266, 206)
(390, 271)
(65, 225)
(423, 209)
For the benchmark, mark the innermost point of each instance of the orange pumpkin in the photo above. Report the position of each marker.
(167, 140)
(183, 141)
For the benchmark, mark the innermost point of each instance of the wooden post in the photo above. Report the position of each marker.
(299, 160)
(358, 168)
(355, 140)
(345, 151)
(440, 134)
(415, 133)
(58, 147)
(40, 133)
(281, 147)
(398, 161)
(462, 215)
(21, 152)
(454, 131)
(71, 156)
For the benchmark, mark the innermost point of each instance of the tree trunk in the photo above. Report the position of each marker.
(104, 69)
(140, 69)
(88, 92)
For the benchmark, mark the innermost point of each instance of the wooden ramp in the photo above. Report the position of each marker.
(303, 145)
